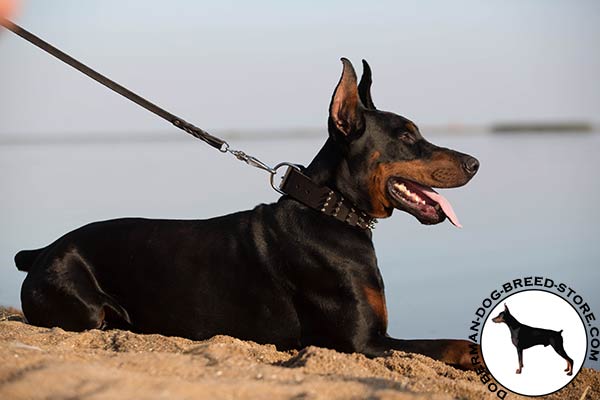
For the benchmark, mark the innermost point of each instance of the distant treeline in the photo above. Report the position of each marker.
(55, 138)
(543, 127)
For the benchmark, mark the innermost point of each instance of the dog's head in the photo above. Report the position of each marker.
(387, 160)
(502, 316)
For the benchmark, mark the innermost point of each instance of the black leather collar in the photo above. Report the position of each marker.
(323, 199)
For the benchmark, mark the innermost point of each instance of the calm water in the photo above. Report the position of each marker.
(531, 210)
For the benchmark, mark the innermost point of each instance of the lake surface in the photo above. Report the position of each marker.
(531, 210)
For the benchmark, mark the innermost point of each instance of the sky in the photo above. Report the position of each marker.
(272, 65)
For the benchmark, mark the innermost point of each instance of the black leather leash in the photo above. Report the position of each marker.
(294, 183)
(114, 86)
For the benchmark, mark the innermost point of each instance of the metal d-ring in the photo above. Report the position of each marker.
(274, 173)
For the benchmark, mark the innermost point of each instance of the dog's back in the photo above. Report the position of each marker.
(530, 336)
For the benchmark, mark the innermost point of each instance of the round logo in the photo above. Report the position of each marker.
(534, 343)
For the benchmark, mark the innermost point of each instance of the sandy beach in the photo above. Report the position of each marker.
(42, 363)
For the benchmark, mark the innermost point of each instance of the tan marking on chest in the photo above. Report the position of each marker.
(376, 300)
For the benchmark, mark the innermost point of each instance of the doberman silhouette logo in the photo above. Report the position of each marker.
(534, 343)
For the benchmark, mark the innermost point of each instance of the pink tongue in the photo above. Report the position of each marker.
(445, 204)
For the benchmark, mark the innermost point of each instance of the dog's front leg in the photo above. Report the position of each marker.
(520, 353)
(458, 353)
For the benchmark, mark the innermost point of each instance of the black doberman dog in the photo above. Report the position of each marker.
(282, 273)
(524, 337)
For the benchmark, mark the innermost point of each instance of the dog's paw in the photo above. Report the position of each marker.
(461, 354)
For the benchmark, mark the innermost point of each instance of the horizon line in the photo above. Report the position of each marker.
(139, 136)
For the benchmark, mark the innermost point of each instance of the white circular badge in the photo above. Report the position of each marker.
(534, 343)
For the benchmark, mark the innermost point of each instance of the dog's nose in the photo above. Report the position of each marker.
(471, 165)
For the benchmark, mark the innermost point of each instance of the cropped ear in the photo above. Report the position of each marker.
(364, 87)
(345, 110)
(506, 307)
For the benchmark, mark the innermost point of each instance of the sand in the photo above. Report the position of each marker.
(42, 363)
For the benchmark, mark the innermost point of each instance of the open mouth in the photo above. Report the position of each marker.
(427, 205)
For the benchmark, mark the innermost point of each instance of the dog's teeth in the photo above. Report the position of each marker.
(400, 187)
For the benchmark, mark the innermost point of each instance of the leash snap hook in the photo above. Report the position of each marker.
(248, 159)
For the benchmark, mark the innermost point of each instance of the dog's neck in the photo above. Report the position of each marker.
(511, 321)
(329, 168)
(323, 168)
